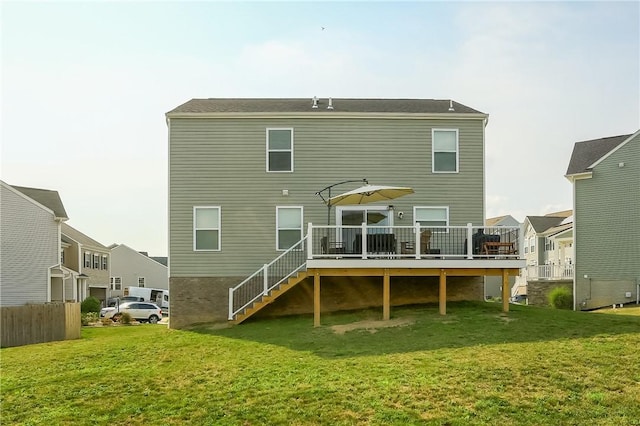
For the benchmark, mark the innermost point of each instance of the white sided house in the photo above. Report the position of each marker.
(130, 268)
(30, 267)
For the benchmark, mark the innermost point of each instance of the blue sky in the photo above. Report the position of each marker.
(85, 86)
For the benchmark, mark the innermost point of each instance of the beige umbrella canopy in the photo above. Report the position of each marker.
(369, 194)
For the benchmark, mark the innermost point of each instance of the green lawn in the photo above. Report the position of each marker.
(476, 366)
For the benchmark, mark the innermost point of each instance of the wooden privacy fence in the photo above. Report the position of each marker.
(28, 324)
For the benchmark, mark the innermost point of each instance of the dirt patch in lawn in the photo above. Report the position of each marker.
(372, 326)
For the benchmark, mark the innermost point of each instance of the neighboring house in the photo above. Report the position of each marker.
(30, 270)
(131, 268)
(605, 174)
(246, 222)
(493, 285)
(90, 259)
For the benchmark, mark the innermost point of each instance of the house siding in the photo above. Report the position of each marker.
(29, 247)
(607, 236)
(222, 162)
(130, 265)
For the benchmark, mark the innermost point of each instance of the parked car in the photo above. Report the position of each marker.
(140, 311)
(115, 300)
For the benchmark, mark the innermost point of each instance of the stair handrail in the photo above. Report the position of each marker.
(299, 246)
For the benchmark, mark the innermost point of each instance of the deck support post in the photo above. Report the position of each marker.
(316, 299)
(442, 294)
(505, 290)
(386, 296)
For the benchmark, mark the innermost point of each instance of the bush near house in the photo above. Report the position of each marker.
(90, 304)
(561, 298)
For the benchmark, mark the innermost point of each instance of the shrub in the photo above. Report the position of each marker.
(125, 318)
(89, 317)
(561, 298)
(107, 321)
(90, 304)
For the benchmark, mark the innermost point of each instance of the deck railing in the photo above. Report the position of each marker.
(412, 242)
(550, 272)
(267, 278)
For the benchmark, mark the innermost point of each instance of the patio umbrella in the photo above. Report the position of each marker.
(369, 194)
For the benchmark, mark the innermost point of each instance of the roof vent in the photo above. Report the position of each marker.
(330, 106)
(315, 102)
(451, 106)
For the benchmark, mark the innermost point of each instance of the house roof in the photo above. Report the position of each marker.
(542, 223)
(563, 213)
(298, 105)
(588, 152)
(493, 220)
(162, 260)
(46, 197)
(81, 238)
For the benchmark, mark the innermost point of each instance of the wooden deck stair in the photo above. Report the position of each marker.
(273, 295)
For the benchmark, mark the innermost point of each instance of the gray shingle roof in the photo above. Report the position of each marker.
(48, 198)
(81, 238)
(160, 259)
(542, 223)
(256, 105)
(588, 152)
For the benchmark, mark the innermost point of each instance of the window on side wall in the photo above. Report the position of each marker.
(280, 150)
(105, 262)
(436, 218)
(140, 281)
(116, 283)
(206, 228)
(87, 260)
(289, 227)
(445, 150)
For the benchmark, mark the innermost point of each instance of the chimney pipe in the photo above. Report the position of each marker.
(330, 104)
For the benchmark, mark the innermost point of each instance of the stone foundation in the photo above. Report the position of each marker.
(538, 291)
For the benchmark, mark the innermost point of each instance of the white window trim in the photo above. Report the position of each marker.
(433, 150)
(301, 208)
(219, 229)
(105, 262)
(446, 208)
(84, 260)
(278, 150)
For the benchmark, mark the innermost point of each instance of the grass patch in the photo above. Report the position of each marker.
(476, 366)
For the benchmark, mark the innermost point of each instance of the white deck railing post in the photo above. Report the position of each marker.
(265, 278)
(416, 245)
(309, 241)
(469, 241)
(230, 304)
(364, 240)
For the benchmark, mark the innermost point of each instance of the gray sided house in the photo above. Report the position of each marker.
(605, 174)
(30, 270)
(131, 268)
(91, 259)
(243, 178)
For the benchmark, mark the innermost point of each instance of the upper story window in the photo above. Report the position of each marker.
(532, 245)
(206, 228)
(105, 262)
(87, 260)
(140, 281)
(445, 150)
(96, 261)
(432, 217)
(289, 226)
(280, 150)
(116, 283)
